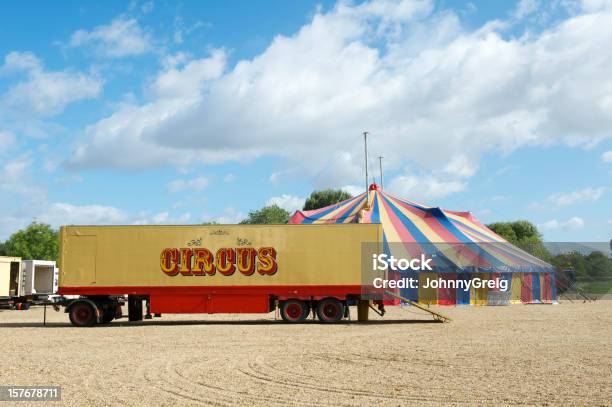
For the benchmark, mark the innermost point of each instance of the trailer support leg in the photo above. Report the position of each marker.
(148, 314)
(363, 309)
(134, 308)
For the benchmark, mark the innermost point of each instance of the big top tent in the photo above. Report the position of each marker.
(462, 248)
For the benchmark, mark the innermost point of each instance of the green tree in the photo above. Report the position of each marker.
(272, 214)
(2, 249)
(38, 241)
(326, 197)
(505, 230)
(572, 260)
(526, 231)
(598, 264)
(523, 234)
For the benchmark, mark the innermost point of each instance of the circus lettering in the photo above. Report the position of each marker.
(203, 262)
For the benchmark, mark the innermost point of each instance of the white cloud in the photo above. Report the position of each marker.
(570, 224)
(425, 187)
(461, 165)
(15, 179)
(20, 61)
(194, 185)
(186, 82)
(60, 213)
(109, 139)
(584, 195)
(160, 218)
(423, 84)
(6, 140)
(42, 92)
(229, 178)
(525, 8)
(291, 203)
(229, 216)
(122, 37)
(595, 5)
(13, 171)
(607, 157)
(353, 189)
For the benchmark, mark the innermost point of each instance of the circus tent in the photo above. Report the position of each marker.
(461, 247)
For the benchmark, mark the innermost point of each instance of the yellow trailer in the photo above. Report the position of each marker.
(213, 269)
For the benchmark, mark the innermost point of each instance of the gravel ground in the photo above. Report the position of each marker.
(522, 354)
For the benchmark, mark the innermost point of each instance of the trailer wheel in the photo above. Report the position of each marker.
(82, 314)
(293, 311)
(330, 310)
(108, 316)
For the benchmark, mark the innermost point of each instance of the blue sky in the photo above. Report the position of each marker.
(183, 112)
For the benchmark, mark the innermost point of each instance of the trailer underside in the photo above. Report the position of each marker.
(295, 303)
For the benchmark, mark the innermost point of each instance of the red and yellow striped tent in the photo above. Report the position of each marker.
(462, 248)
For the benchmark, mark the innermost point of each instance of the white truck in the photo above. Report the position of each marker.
(27, 281)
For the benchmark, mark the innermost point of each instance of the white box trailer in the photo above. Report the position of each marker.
(10, 276)
(38, 278)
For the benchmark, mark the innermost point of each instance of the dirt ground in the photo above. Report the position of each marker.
(522, 354)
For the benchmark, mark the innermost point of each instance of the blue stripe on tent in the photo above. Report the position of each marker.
(535, 287)
(386, 248)
(416, 234)
(349, 213)
(311, 219)
(446, 223)
(507, 277)
(376, 213)
(409, 292)
(463, 296)
(413, 204)
(553, 286)
(420, 239)
(507, 249)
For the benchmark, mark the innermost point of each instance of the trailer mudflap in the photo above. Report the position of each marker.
(209, 303)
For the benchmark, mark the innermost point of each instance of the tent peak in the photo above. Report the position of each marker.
(374, 187)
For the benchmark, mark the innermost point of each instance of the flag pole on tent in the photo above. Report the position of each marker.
(380, 157)
(365, 144)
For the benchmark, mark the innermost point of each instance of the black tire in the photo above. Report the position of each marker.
(294, 311)
(82, 314)
(330, 310)
(109, 315)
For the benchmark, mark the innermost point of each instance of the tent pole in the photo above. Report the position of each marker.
(380, 157)
(365, 144)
